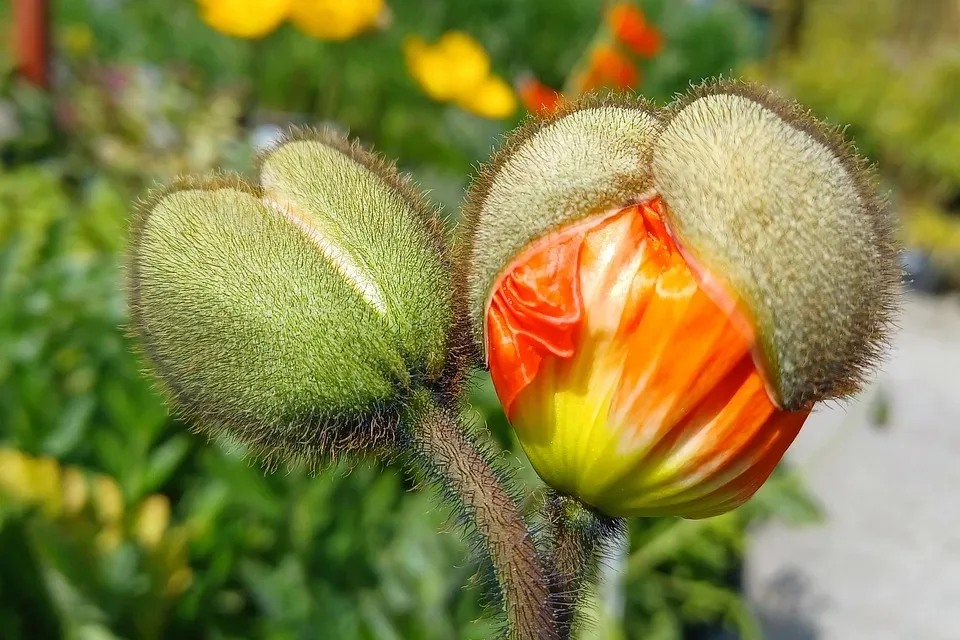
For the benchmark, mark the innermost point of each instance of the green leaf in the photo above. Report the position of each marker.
(163, 462)
(71, 426)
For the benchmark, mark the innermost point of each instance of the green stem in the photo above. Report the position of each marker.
(580, 536)
(450, 457)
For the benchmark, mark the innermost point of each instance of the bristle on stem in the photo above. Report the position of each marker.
(578, 538)
(446, 454)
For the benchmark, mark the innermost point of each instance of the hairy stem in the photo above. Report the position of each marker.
(580, 537)
(472, 482)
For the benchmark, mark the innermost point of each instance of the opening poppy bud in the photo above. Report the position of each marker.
(300, 314)
(628, 342)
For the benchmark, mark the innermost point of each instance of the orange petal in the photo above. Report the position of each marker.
(537, 97)
(630, 27)
(629, 384)
(535, 313)
(609, 67)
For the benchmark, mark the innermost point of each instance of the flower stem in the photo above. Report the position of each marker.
(580, 537)
(473, 483)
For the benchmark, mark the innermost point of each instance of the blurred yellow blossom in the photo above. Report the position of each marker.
(178, 581)
(77, 39)
(452, 67)
(324, 19)
(15, 474)
(244, 18)
(336, 19)
(75, 491)
(45, 480)
(457, 69)
(153, 518)
(32, 481)
(107, 499)
(494, 99)
(109, 538)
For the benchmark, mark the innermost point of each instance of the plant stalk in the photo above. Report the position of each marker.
(580, 537)
(470, 480)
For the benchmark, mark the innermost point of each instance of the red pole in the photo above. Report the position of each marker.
(31, 29)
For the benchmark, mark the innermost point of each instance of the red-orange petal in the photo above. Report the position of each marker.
(630, 27)
(537, 97)
(534, 313)
(611, 68)
(629, 384)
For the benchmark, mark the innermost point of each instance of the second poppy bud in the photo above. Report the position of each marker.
(662, 298)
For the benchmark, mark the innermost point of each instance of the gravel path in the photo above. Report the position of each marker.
(885, 565)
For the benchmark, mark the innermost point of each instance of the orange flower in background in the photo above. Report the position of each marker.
(457, 69)
(630, 27)
(628, 372)
(538, 98)
(609, 68)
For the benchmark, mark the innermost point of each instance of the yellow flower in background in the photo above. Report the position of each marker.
(179, 581)
(153, 518)
(15, 475)
(75, 491)
(336, 19)
(493, 99)
(107, 499)
(323, 19)
(457, 69)
(77, 39)
(109, 538)
(29, 480)
(244, 18)
(452, 67)
(45, 481)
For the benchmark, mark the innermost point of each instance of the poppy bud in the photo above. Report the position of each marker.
(662, 298)
(300, 314)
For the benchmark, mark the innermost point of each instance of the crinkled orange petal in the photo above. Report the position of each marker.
(631, 386)
(535, 313)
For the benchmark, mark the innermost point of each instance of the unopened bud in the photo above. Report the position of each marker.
(296, 315)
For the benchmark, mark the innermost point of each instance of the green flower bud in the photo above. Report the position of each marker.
(299, 315)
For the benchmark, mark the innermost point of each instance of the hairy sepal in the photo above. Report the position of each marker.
(781, 207)
(585, 159)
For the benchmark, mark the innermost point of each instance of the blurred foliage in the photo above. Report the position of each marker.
(901, 109)
(118, 523)
(274, 556)
(907, 64)
(363, 84)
